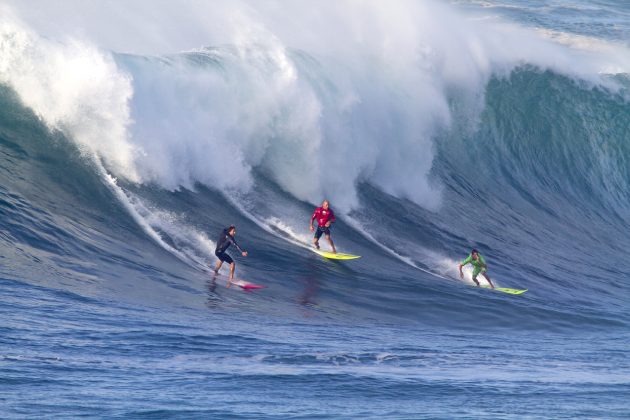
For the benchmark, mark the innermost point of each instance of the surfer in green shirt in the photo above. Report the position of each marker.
(479, 264)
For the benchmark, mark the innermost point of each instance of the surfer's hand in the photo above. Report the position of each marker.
(244, 253)
(312, 228)
(461, 275)
(328, 224)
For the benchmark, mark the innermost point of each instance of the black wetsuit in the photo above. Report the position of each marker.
(224, 242)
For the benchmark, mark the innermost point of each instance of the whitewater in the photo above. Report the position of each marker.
(132, 133)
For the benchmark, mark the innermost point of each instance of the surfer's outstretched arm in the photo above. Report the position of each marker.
(463, 263)
(243, 253)
(468, 260)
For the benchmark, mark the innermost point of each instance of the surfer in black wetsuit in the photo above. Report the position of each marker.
(225, 240)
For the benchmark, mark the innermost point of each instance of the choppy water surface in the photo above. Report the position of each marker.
(432, 128)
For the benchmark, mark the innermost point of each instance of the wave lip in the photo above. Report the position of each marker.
(73, 87)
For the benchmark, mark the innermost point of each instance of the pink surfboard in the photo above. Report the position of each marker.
(245, 285)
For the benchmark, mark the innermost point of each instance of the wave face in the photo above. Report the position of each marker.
(430, 130)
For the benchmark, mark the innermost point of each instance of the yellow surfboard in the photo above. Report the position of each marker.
(337, 256)
(511, 291)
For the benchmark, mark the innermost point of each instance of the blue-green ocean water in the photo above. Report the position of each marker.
(108, 306)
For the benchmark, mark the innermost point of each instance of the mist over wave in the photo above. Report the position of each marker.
(364, 101)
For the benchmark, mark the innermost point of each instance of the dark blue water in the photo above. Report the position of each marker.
(110, 311)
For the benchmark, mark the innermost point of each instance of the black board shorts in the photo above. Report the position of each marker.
(321, 230)
(224, 257)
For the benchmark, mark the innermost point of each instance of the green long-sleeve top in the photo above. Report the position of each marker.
(478, 263)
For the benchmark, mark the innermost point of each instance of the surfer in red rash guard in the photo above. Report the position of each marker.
(325, 217)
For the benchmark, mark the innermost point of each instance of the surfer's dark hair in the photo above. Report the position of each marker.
(229, 228)
(474, 251)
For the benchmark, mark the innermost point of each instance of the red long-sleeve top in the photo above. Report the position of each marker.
(323, 216)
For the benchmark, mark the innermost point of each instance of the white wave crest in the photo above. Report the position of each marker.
(340, 93)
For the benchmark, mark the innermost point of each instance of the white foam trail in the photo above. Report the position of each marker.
(359, 228)
(135, 209)
(272, 225)
(279, 225)
(193, 247)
